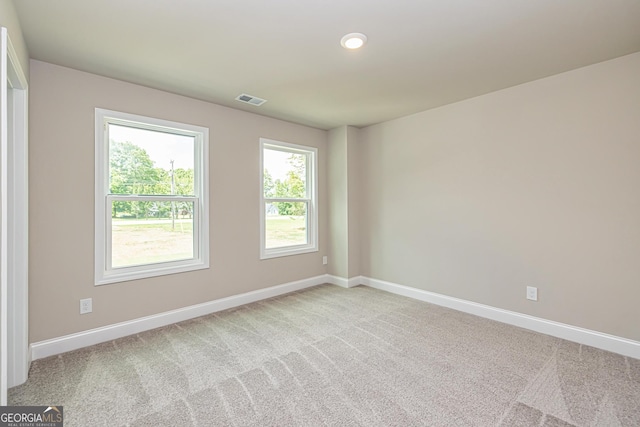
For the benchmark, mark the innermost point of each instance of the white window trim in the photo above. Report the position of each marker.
(104, 274)
(311, 199)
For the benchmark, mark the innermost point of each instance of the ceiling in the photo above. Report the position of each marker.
(420, 54)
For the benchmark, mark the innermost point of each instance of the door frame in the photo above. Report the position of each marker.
(14, 249)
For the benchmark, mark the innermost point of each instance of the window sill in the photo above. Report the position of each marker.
(125, 276)
(287, 251)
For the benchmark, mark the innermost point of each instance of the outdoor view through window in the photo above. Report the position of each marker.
(144, 166)
(288, 197)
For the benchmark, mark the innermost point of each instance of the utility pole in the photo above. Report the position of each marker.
(173, 192)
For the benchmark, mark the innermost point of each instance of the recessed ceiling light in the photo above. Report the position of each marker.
(353, 41)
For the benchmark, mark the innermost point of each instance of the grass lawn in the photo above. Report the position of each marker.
(136, 242)
(147, 241)
(285, 231)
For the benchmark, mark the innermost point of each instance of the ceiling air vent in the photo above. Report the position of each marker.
(249, 99)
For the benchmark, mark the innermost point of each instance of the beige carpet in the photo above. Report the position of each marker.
(341, 357)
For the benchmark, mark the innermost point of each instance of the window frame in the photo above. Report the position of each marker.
(311, 200)
(104, 272)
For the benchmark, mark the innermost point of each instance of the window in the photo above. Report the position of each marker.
(152, 210)
(288, 213)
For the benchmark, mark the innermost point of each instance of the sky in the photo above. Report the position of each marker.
(277, 163)
(161, 147)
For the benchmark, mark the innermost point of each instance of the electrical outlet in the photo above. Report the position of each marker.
(324, 260)
(86, 306)
(532, 293)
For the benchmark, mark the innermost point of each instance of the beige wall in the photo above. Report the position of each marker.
(534, 185)
(353, 199)
(338, 202)
(344, 211)
(62, 203)
(9, 19)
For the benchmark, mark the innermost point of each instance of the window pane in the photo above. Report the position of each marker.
(148, 233)
(149, 162)
(285, 174)
(286, 224)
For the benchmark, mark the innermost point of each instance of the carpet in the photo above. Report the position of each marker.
(341, 357)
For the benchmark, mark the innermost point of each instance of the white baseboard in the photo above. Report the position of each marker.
(344, 283)
(78, 340)
(588, 337)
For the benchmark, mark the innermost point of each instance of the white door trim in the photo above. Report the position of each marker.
(18, 291)
(15, 226)
(3, 216)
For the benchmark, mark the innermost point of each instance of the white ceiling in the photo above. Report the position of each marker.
(421, 53)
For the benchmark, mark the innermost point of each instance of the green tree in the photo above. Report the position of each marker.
(292, 187)
(163, 184)
(183, 181)
(269, 185)
(131, 172)
(299, 164)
